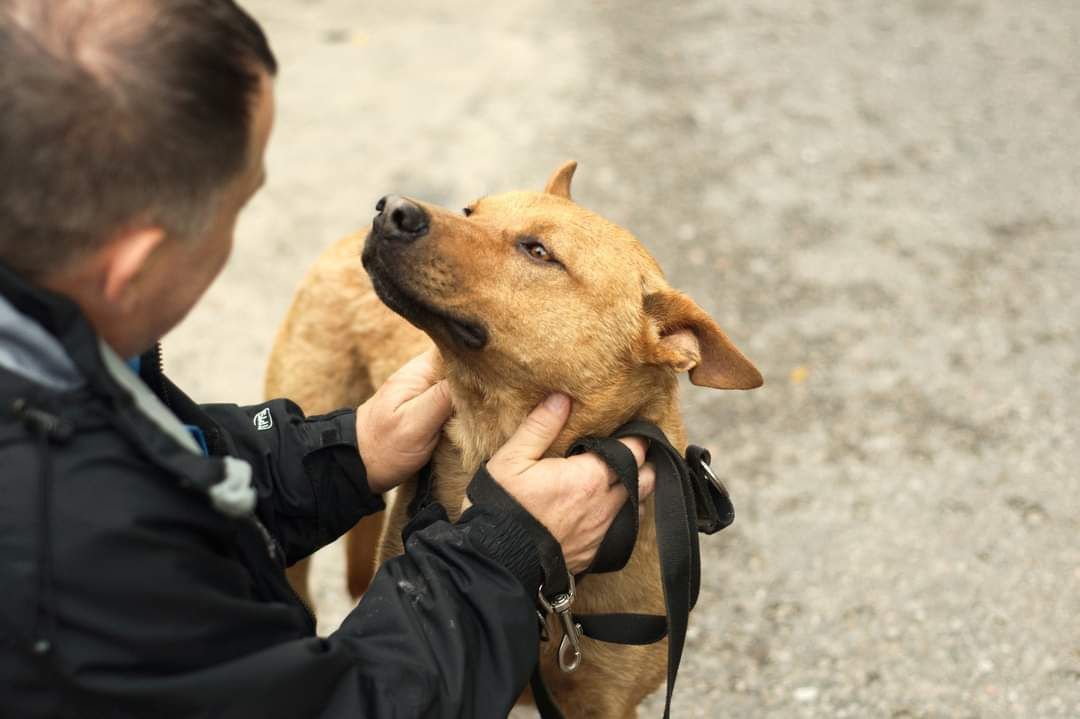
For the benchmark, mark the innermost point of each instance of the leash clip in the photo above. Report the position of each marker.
(570, 647)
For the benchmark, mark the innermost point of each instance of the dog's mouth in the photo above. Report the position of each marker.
(468, 333)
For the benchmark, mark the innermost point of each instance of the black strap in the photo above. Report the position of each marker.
(623, 628)
(618, 544)
(676, 539)
(689, 499)
(545, 703)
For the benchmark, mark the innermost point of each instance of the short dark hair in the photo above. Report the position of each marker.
(114, 112)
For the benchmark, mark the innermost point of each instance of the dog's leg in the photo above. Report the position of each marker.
(345, 386)
(314, 361)
(360, 546)
(297, 575)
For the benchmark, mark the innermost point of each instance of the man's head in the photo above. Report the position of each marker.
(131, 134)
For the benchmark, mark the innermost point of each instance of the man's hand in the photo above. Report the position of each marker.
(398, 428)
(576, 498)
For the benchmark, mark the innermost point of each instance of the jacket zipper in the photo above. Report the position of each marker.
(159, 365)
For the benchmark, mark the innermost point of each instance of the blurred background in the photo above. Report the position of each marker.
(878, 201)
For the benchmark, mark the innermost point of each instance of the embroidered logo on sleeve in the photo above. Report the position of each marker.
(263, 420)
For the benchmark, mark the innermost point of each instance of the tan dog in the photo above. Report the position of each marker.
(524, 293)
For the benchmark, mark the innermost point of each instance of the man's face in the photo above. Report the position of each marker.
(181, 270)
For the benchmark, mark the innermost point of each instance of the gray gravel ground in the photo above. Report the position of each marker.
(877, 200)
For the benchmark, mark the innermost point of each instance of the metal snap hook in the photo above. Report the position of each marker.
(569, 647)
(564, 600)
(570, 644)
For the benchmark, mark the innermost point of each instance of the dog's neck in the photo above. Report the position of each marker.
(487, 415)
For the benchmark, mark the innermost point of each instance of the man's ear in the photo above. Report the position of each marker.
(559, 182)
(125, 258)
(682, 336)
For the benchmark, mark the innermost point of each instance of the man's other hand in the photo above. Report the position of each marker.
(576, 498)
(398, 427)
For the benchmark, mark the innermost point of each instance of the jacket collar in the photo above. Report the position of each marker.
(28, 350)
(45, 324)
(45, 337)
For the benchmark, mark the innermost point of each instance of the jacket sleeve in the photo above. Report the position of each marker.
(310, 477)
(163, 628)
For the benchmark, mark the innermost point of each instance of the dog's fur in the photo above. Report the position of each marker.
(600, 324)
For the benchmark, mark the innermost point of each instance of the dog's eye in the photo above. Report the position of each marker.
(466, 211)
(536, 251)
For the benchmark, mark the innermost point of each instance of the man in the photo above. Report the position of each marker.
(143, 537)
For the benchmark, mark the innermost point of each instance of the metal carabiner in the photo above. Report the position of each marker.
(560, 605)
(571, 633)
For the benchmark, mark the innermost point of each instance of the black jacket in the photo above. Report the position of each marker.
(134, 580)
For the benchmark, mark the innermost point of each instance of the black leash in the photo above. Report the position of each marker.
(689, 499)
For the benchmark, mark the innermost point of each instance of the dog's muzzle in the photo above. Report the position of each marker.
(399, 219)
(388, 253)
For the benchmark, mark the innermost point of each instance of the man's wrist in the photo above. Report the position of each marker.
(379, 483)
(340, 449)
(486, 493)
(504, 540)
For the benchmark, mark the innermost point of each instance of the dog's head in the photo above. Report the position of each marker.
(534, 290)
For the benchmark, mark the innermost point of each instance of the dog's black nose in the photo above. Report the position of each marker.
(400, 218)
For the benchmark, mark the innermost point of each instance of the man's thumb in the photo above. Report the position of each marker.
(539, 429)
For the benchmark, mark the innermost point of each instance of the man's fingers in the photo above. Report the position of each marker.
(428, 364)
(616, 498)
(432, 407)
(538, 431)
(414, 377)
(638, 446)
(646, 486)
(591, 463)
(646, 481)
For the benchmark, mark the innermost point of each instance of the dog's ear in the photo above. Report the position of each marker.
(559, 182)
(682, 336)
